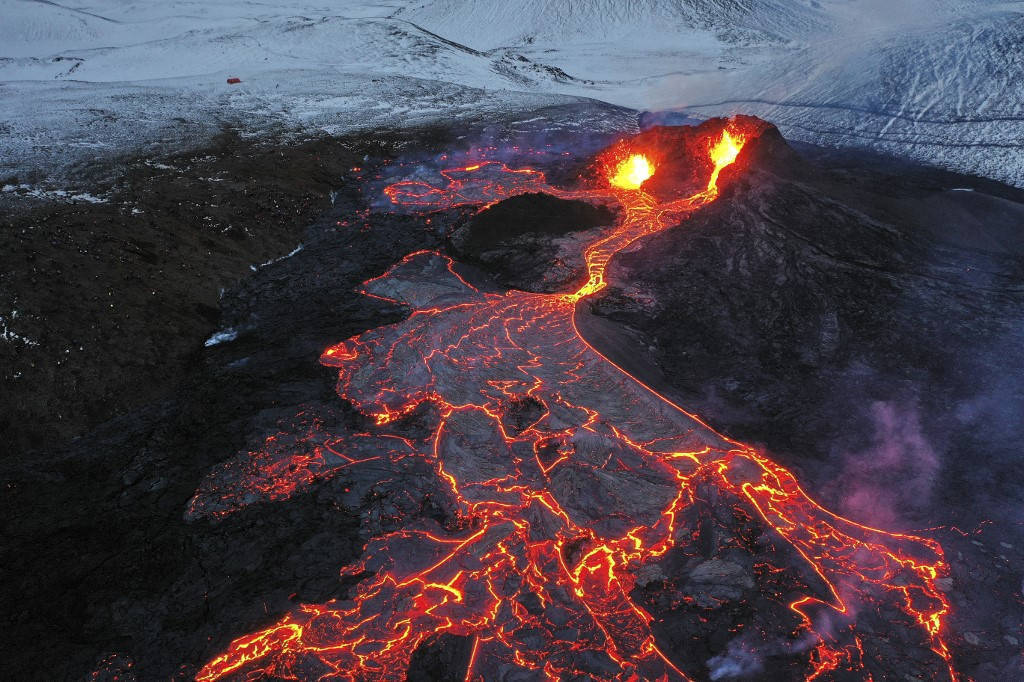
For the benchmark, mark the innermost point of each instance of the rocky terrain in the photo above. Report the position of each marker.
(97, 559)
(105, 301)
(821, 285)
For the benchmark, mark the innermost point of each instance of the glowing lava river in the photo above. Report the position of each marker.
(565, 477)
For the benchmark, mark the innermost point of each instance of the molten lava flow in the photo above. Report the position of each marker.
(564, 477)
(632, 172)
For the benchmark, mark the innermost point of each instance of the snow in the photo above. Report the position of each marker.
(221, 337)
(24, 190)
(932, 80)
(291, 253)
(9, 335)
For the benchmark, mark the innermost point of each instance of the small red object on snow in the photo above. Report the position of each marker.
(234, 80)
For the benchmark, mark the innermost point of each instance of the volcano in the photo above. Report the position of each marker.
(565, 424)
(567, 486)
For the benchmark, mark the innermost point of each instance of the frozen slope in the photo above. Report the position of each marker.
(937, 81)
(950, 94)
(487, 24)
(153, 75)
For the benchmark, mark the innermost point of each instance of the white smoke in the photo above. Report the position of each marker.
(896, 472)
(745, 655)
(739, 660)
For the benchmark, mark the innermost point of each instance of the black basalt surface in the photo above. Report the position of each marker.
(102, 573)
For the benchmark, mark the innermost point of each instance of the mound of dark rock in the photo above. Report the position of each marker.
(862, 320)
(531, 241)
(806, 294)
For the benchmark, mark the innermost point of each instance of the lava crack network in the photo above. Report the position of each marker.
(567, 478)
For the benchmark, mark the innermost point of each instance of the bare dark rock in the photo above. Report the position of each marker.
(101, 571)
(532, 213)
(112, 298)
(443, 659)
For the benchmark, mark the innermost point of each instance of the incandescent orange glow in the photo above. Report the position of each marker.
(527, 568)
(632, 172)
(723, 154)
(726, 150)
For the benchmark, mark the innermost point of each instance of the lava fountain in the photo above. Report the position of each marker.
(564, 479)
(723, 153)
(632, 172)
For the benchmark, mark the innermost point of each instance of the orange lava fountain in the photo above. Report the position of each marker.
(632, 172)
(540, 569)
(723, 154)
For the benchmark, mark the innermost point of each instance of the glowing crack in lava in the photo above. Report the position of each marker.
(566, 479)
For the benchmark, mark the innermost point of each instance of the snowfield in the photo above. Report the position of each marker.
(937, 81)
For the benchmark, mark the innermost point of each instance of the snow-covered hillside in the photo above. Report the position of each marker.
(935, 80)
(647, 24)
(948, 92)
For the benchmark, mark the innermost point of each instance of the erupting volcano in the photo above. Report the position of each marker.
(566, 485)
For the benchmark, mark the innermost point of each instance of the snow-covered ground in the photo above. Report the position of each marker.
(934, 80)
